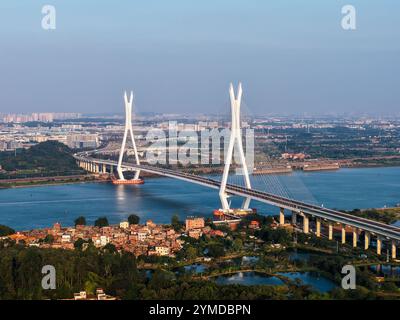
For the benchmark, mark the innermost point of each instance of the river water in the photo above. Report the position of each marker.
(160, 198)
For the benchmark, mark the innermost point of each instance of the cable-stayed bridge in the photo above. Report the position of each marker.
(383, 233)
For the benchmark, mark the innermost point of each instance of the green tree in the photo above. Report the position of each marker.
(190, 253)
(5, 231)
(45, 157)
(110, 248)
(176, 224)
(101, 222)
(160, 279)
(79, 243)
(48, 239)
(93, 282)
(133, 219)
(80, 221)
(215, 250)
(20, 272)
(237, 244)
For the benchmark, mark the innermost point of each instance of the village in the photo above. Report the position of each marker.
(148, 239)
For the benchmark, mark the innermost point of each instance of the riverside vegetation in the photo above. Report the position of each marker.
(48, 158)
(123, 275)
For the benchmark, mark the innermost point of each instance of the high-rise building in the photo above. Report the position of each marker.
(82, 141)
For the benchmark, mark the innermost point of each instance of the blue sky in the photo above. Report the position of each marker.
(179, 56)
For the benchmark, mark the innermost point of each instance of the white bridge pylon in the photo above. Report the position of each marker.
(128, 127)
(235, 139)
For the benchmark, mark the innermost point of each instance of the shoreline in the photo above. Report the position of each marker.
(50, 183)
(46, 181)
(37, 185)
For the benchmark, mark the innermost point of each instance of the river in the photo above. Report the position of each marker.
(160, 198)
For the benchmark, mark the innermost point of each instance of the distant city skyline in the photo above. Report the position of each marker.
(293, 57)
(38, 116)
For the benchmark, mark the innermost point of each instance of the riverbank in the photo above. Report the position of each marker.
(54, 180)
(372, 162)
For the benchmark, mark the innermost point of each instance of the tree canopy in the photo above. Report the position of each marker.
(5, 231)
(133, 219)
(80, 221)
(176, 224)
(21, 272)
(101, 222)
(44, 157)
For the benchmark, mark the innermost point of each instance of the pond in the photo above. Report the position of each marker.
(313, 279)
(248, 279)
(245, 260)
(195, 268)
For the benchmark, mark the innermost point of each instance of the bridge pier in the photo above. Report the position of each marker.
(306, 224)
(378, 245)
(343, 234)
(394, 250)
(318, 232)
(367, 240)
(330, 227)
(281, 216)
(294, 218)
(355, 237)
(104, 167)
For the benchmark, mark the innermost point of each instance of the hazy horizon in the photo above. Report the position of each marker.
(293, 57)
